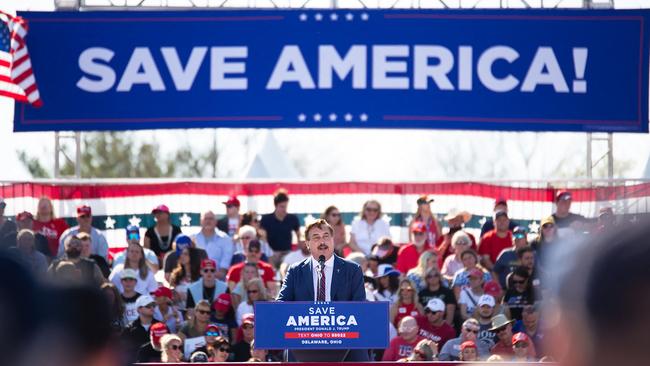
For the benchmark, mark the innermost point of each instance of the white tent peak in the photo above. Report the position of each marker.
(271, 162)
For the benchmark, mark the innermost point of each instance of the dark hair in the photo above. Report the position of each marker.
(280, 196)
(319, 223)
(471, 252)
(521, 271)
(118, 308)
(195, 268)
(523, 250)
(393, 284)
(328, 211)
(248, 218)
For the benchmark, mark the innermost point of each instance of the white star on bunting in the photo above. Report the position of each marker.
(363, 117)
(186, 220)
(334, 17)
(364, 16)
(482, 221)
(309, 219)
(333, 117)
(349, 17)
(387, 218)
(533, 227)
(109, 223)
(302, 117)
(409, 218)
(318, 17)
(135, 221)
(317, 117)
(348, 117)
(303, 17)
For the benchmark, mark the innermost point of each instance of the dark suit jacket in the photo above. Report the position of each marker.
(222, 224)
(347, 285)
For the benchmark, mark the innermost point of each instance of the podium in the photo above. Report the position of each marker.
(322, 331)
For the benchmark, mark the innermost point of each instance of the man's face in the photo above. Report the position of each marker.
(468, 261)
(203, 313)
(500, 207)
(502, 223)
(209, 221)
(520, 349)
(248, 330)
(320, 242)
(85, 248)
(232, 211)
(73, 249)
(469, 333)
(485, 311)
(528, 260)
(434, 316)
(281, 207)
(147, 310)
(455, 222)
(563, 206)
(520, 242)
(419, 238)
(504, 333)
(208, 273)
(128, 284)
(25, 224)
(409, 329)
(84, 220)
(530, 316)
(253, 254)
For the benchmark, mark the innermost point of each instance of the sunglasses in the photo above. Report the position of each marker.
(253, 251)
(224, 349)
(247, 326)
(204, 312)
(407, 289)
(83, 216)
(372, 209)
(521, 345)
(499, 330)
(175, 347)
(209, 270)
(471, 330)
(246, 238)
(252, 291)
(547, 226)
(335, 214)
(518, 282)
(150, 306)
(212, 334)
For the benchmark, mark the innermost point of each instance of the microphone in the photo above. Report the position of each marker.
(321, 261)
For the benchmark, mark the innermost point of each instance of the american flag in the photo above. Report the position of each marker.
(16, 77)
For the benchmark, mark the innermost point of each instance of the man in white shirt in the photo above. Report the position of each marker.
(85, 220)
(215, 242)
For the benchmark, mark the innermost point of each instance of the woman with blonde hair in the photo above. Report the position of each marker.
(172, 348)
(424, 215)
(197, 324)
(407, 304)
(135, 260)
(333, 217)
(370, 226)
(256, 292)
(427, 261)
(46, 224)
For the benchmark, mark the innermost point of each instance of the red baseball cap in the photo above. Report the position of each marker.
(208, 263)
(476, 273)
(156, 331)
(160, 208)
(467, 344)
(232, 201)
(563, 195)
(419, 227)
(24, 216)
(164, 292)
(500, 201)
(222, 303)
(213, 327)
(520, 337)
(492, 288)
(83, 210)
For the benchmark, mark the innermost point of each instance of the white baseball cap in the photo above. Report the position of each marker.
(144, 300)
(436, 304)
(486, 300)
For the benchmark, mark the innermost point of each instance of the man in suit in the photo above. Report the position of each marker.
(343, 280)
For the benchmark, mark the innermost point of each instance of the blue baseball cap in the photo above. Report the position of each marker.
(132, 233)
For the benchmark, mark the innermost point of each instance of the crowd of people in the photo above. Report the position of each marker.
(175, 297)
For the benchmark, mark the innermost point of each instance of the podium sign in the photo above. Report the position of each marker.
(321, 325)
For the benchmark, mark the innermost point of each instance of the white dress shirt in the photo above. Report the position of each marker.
(219, 247)
(329, 271)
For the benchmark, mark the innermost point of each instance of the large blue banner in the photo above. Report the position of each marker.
(535, 70)
(321, 325)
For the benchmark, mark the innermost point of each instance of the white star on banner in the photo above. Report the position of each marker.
(317, 117)
(186, 220)
(303, 17)
(135, 221)
(364, 16)
(309, 219)
(302, 117)
(334, 17)
(482, 221)
(318, 17)
(363, 117)
(333, 117)
(533, 227)
(409, 218)
(348, 117)
(349, 17)
(109, 223)
(387, 218)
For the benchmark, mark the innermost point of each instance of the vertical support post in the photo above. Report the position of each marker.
(77, 157)
(589, 162)
(57, 148)
(610, 155)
